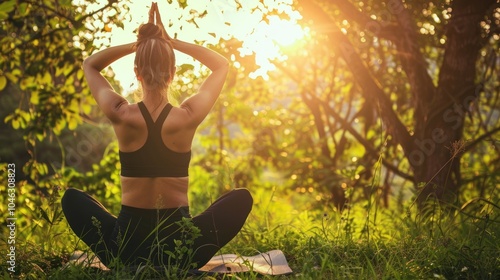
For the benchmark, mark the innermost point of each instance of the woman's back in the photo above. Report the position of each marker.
(132, 131)
(155, 150)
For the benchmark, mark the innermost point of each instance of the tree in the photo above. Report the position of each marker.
(42, 46)
(428, 70)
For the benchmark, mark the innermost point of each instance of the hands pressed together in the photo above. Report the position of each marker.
(155, 18)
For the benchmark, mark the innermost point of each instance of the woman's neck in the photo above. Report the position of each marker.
(153, 101)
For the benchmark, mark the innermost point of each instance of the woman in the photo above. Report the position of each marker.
(155, 149)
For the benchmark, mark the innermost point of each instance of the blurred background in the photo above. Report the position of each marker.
(354, 118)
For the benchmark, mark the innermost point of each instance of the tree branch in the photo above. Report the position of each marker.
(363, 76)
(369, 148)
(476, 141)
(405, 36)
(345, 124)
(320, 126)
(382, 29)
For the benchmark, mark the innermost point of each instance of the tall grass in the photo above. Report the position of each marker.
(392, 245)
(364, 241)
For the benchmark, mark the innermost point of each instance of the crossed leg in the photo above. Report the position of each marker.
(220, 223)
(91, 222)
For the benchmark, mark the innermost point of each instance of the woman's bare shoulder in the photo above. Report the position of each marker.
(130, 118)
(180, 118)
(131, 131)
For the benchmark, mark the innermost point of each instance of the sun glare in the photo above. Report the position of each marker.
(284, 32)
(256, 24)
(268, 40)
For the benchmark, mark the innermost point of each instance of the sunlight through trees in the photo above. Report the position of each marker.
(355, 124)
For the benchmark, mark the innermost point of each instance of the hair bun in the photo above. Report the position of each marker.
(148, 31)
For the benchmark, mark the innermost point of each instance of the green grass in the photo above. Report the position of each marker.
(362, 242)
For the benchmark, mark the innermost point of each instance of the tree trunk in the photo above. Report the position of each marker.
(434, 148)
(438, 141)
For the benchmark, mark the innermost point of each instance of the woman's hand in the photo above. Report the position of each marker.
(152, 13)
(154, 16)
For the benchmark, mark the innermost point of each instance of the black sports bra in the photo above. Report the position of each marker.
(154, 159)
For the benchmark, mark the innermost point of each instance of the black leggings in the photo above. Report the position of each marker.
(156, 236)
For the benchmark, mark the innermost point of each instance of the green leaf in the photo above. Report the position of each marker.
(46, 79)
(23, 9)
(86, 108)
(35, 98)
(8, 118)
(13, 75)
(3, 82)
(182, 3)
(45, 216)
(8, 6)
(79, 74)
(184, 68)
(73, 123)
(15, 124)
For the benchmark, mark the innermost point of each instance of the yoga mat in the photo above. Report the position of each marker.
(268, 263)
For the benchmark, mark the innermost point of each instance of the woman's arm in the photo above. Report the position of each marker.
(199, 105)
(108, 100)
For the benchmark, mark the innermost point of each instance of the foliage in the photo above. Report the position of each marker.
(43, 44)
(377, 79)
(42, 47)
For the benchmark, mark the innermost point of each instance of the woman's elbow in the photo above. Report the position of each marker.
(89, 65)
(225, 62)
(86, 65)
(223, 65)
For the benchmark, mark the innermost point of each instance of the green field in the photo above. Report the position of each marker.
(364, 241)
